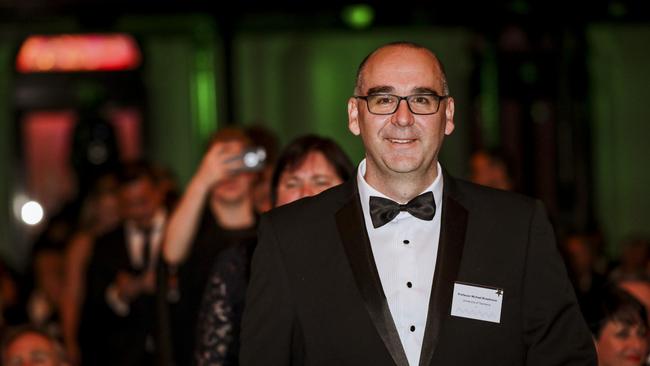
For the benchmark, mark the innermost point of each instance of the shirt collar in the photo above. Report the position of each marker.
(157, 223)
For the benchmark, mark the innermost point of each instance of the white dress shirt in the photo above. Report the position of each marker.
(405, 252)
(135, 241)
(135, 244)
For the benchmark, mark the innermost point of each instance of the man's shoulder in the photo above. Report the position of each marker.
(474, 195)
(308, 220)
(326, 203)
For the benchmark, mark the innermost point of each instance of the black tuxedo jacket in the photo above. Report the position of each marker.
(315, 297)
(107, 338)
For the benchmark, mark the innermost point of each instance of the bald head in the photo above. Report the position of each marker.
(358, 89)
(28, 345)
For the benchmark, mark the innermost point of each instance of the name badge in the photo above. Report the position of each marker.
(477, 302)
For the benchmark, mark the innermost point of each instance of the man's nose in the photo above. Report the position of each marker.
(403, 115)
(307, 191)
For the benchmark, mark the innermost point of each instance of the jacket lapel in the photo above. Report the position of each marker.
(450, 251)
(352, 230)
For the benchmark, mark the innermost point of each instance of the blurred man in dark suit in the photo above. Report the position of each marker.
(118, 320)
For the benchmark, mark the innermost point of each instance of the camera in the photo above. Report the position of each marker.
(252, 159)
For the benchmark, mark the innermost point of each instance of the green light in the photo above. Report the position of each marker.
(617, 9)
(520, 7)
(205, 94)
(358, 16)
(529, 73)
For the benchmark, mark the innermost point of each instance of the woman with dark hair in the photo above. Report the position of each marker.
(620, 329)
(308, 166)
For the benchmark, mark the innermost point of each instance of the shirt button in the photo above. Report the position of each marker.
(409, 284)
(412, 328)
(406, 242)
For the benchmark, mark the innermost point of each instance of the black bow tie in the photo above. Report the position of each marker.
(383, 210)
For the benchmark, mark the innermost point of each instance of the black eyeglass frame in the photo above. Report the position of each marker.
(399, 100)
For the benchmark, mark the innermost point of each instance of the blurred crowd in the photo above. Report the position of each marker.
(142, 272)
(614, 295)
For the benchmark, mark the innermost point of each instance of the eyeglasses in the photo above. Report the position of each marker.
(388, 103)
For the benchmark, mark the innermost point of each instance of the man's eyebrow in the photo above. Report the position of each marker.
(424, 90)
(384, 89)
(380, 90)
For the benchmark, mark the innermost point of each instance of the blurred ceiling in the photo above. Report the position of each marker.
(483, 14)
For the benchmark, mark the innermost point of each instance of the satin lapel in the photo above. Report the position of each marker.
(450, 251)
(354, 237)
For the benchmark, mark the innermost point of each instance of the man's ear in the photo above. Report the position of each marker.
(353, 116)
(449, 116)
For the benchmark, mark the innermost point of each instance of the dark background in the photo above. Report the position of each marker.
(560, 86)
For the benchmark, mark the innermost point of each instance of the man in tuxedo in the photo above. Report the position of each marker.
(118, 318)
(405, 265)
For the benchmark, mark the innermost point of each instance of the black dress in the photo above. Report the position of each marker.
(217, 342)
(193, 276)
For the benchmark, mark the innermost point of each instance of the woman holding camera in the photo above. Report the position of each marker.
(307, 166)
(213, 222)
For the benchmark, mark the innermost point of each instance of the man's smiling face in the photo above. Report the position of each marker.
(402, 142)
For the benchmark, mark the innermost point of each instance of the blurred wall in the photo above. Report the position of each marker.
(179, 111)
(181, 64)
(620, 79)
(199, 75)
(6, 148)
(299, 82)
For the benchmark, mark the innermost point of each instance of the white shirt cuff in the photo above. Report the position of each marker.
(113, 300)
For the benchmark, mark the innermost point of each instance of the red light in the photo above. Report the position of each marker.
(79, 52)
